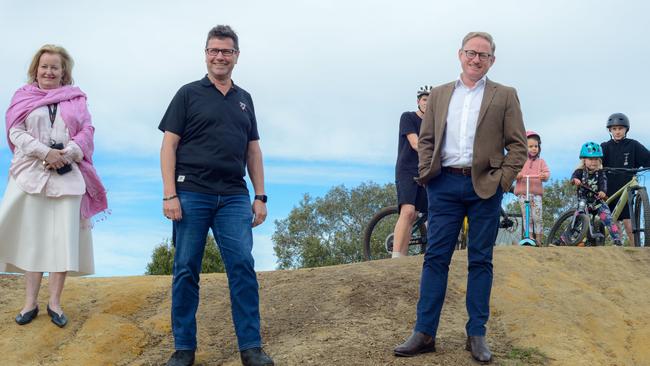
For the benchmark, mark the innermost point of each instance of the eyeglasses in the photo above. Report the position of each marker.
(481, 55)
(227, 52)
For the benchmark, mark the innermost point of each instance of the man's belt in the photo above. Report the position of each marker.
(467, 171)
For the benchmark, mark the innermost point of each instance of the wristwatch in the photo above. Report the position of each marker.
(262, 197)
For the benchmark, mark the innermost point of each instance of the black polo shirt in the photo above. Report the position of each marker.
(407, 158)
(215, 131)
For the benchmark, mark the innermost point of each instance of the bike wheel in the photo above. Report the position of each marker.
(510, 228)
(566, 231)
(378, 236)
(641, 218)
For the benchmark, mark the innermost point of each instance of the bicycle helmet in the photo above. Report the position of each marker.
(424, 91)
(591, 150)
(618, 119)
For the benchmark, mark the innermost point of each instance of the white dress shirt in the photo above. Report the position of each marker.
(464, 107)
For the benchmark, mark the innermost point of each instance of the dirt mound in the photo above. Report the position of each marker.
(564, 306)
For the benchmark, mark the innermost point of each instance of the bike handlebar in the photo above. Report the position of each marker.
(626, 170)
(592, 191)
(587, 189)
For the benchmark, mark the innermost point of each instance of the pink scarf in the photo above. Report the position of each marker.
(74, 112)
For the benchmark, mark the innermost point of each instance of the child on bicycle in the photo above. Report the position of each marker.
(590, 175)
(622, 152)
(537, 171)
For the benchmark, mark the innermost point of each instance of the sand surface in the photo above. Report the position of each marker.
(572, 306)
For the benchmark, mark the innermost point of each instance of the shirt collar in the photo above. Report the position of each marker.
(207, 83)
(480, 83)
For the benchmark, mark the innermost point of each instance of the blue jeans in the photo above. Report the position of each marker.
(230, 218)
(451, 198)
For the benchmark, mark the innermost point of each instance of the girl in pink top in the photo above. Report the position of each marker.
(537, 171)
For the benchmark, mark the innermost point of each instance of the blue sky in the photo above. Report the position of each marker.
(329, 80)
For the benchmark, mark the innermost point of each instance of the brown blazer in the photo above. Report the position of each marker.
(500, 149)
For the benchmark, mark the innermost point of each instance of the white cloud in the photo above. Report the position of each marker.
(329, 79)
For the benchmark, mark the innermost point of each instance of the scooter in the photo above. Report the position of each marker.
(527, 240)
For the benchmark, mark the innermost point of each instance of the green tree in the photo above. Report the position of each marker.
(559, 196)
(327, 230)
(162, 258)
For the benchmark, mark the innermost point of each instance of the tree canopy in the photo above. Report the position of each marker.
(162, 258)
(327, 230)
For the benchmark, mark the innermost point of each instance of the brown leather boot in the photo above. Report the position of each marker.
(417, 343)
(478, 346)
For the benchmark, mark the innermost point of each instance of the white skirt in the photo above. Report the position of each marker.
(43, 234)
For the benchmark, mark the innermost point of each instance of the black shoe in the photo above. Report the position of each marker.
(255, 357)
(478, 346)
(26, 318)
(184, 357)
(59, 320)
(618, 243)
(417, 343)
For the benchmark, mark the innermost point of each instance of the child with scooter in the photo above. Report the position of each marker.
(529, 185)
(590, 174)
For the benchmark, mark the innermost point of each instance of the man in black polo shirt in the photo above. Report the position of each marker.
(210, 137)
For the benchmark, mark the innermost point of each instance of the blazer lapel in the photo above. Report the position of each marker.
(488, 94)
(443, 107)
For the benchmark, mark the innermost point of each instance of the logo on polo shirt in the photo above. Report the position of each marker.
(243, 106)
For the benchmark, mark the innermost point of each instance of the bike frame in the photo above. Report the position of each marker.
(624, 193)
(422, 219)
(583, 208)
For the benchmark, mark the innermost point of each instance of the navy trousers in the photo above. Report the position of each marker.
(451, 198)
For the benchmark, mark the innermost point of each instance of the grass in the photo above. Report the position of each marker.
(526, 356)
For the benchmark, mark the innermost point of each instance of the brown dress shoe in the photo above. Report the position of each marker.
(478, 346)
(417, 343)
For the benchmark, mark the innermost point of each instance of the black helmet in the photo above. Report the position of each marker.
(424, 91)
(618, 119)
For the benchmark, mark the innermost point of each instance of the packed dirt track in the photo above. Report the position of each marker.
(550, 306)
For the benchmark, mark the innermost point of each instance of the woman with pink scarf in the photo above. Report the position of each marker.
(53, 188)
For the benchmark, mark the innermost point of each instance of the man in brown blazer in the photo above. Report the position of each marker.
(472, 144)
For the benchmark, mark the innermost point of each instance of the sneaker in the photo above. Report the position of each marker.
(618, 243)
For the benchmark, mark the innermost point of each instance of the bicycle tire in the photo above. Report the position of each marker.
(509, 235)
(577, 233)
(380, 229)
(641, 217)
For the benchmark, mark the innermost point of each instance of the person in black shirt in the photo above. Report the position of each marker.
(210, 137)
(411, 197)
(622, 152)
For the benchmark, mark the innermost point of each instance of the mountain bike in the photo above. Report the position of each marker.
(632, 196)
(511, 228)
(378, 236)
(580, 224)
(635, 196)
